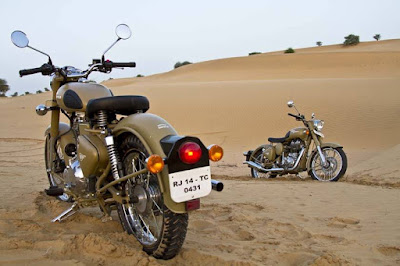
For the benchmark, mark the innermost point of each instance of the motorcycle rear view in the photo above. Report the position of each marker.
(116, 155)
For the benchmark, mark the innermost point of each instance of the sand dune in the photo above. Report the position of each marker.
(237, 103)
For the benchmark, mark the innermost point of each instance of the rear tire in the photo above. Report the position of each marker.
(160, 231)
(258, 158)
(336, 168)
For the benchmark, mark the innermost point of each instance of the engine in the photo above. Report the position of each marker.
(291, 153)
(74, 178)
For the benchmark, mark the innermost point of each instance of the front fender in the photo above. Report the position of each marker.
(323, 145)
(150, 129)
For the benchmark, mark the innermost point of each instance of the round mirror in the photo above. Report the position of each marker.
(19, 39)
(290, 104)
(123, 31)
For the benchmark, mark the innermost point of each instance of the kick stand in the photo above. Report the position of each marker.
(67, 213)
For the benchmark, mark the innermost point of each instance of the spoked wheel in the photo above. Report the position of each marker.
(335, 167)
(55, 178)
(258, 158)
(160, 231)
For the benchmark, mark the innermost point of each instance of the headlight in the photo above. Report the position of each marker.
(318, 124)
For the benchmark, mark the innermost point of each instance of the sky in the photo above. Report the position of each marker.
(165, 32)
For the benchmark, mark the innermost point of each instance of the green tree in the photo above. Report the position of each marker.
(179, 64)
(3, 87)
(140, 76)
(377, 37)
(38, 91)
(253, 53)
(319, 43)
(290, 50)
(27, 93)
(46, 89)
(351, 40)
(15, 94)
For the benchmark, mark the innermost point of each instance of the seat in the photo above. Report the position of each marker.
(279, 140)
(122, 105)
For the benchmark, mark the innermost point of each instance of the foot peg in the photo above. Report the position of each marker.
(54, 191)
(67, 213)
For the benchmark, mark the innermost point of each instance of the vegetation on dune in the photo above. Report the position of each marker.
(3, 87)
(351, 40)
(290, 50)
(179, 64)
(46, 89)
(27, 93)
(38, 91)
(319, 43)
(140, 76)
(253, 53)
(377, 37)
(15, 94)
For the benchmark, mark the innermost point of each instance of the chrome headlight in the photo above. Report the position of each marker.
(318, 124)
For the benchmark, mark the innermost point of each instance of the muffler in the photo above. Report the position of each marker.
(217, 185)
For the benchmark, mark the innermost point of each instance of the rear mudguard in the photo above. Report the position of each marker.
(265, 146)
(323, 145)
(150, 129)
(66, 138)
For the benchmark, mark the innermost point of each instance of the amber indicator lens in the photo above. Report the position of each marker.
(215, 153)
(190, 152)
(155, 164)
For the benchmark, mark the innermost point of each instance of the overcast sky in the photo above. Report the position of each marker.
(73, 32)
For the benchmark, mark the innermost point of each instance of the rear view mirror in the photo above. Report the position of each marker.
(19, 39)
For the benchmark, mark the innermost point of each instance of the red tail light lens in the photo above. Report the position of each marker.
(190, 152)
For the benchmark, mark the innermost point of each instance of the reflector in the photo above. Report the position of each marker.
(215, 153)
(155, 163)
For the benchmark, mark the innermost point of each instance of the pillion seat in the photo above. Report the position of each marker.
(279, 140)
(122, 105)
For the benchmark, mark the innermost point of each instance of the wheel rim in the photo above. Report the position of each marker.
(145, 218)
(259, 159)
(333, 168)
(54, 178)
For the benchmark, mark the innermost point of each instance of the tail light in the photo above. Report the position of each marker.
(190, 152)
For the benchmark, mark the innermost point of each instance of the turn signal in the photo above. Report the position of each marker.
(190, 152)
(155, 164)
(215, 153)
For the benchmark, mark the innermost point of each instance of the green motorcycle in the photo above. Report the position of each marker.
(115, 155)
(293, 154)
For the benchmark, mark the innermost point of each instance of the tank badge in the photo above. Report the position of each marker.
(161, 126)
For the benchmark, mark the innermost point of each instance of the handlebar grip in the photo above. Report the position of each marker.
(31, 71)
(128, 64)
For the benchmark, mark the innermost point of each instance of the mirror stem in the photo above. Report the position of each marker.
(102, 57)
(50, 62)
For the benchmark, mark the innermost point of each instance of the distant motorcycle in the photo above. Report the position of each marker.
(293, 154)
(115, 155)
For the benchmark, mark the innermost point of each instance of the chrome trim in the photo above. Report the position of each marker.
(262, 169)
(321, 154)
(41, 109)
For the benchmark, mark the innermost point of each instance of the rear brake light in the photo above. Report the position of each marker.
(190, 152)
(193, 205)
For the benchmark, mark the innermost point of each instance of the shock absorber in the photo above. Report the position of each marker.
(112, 151)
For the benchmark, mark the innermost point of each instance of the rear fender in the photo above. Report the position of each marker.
(323, 145)
(150, 130)
(265, 146)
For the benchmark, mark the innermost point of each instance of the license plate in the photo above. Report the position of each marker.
(190, 184)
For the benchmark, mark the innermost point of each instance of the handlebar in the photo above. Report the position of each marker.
(114, 64)
(298, 117)
(45, 69)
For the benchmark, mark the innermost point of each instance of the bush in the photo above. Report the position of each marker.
(351, 40)
(253, 53)
(289, 51)
(27, 93)
(319, 43)
(15, 94)
(377, 37)
(140, 76)
(38, 91)
(46, 89)
(179, 64)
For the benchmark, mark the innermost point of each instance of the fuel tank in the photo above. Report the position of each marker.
(74, 96)
(298, 133)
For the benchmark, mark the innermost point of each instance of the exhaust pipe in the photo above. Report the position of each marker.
(217, 185)
(262, 169)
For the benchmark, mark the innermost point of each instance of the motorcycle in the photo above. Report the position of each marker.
(116, 155)
(293, 154)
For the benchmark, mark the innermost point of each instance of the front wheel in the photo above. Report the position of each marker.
(160, 231)
(335, 167)
(258, 158)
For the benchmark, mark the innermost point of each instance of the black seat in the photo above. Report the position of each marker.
(279, 140)
(122, 105)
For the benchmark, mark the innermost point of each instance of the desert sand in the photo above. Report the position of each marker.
(236, 103)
